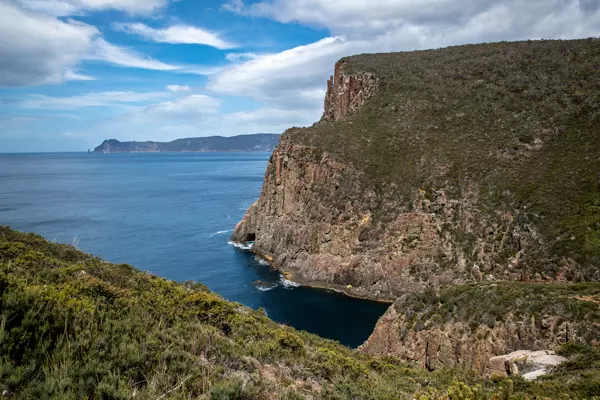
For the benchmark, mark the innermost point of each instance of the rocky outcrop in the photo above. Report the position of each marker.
(347, 92)
(528, 364)
(457, 345)
(309, 218)
(467, 327)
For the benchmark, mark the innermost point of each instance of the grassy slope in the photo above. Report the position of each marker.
(74, 326)
(486, 304)
(475, 114)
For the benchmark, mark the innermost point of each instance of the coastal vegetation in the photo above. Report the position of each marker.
(73, 326)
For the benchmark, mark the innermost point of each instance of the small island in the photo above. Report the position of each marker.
(260, 142)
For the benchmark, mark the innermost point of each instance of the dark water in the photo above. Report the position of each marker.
(170, 214)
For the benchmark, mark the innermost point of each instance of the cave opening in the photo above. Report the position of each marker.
(250, 237)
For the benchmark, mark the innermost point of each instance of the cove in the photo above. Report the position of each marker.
(170, 214)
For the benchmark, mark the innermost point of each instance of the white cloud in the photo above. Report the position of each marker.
(99, 99)
(176, 34)
(71, 75)
(73, 7)
(237, 57)
(35, 48)
(202, 70)
(103, 51)
(178, 88)
(192, 115)
(364, 19)
(188, 107)
(295, 78)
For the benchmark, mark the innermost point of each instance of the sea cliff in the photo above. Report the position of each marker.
(438, 169)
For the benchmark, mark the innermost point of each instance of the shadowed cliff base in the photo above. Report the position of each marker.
(441, 167)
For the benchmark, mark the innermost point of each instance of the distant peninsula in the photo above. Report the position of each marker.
(256, 142)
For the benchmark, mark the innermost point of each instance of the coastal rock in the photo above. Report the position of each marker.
(315, 219)
(347, 92)
(532, 364)
(475, 326)
(406, 183)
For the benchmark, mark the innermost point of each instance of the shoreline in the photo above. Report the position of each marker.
(313, 285)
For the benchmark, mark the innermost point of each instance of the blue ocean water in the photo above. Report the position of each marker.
(170, 214)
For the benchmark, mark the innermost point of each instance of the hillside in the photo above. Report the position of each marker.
(464, 326)
(258, 142)
(441, 167)
(74, 326)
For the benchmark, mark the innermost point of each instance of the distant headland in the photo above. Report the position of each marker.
(256, 142)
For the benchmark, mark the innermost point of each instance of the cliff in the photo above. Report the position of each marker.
(74, 326)
(436, 168)
(258, 142)
(466, 326)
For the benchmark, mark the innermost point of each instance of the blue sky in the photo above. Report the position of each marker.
(75, 72)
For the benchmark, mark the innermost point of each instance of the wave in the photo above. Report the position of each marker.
(221, 232)
(261, 261)
(288, 284)
(241, 246)
(264, 286)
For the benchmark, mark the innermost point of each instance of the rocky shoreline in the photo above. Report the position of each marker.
(354, 292)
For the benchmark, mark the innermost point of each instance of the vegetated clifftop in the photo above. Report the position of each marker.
(258, 142)
(441, 167)
(465, 326)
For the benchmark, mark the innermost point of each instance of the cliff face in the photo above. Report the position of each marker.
(308, 219)
(407, 183)
(466, 326)
(314, 220)
(439, 168)
(347, 93)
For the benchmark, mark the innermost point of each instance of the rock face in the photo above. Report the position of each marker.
(474, 326)
(528, 364)
(347, 93)
(315, 220)
(457, 345)
(455, 168)
(308, 219)
(370, 201)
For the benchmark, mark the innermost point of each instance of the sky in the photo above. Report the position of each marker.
(76, 72)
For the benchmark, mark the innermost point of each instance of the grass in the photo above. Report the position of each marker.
(75, 327)
(576, 303)
(516, 121)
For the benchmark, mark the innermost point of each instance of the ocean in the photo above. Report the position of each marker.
(171, 215)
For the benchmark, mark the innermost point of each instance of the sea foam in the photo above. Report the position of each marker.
(241, 246)
(288, 284)
(221, 232)
(261, 261)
